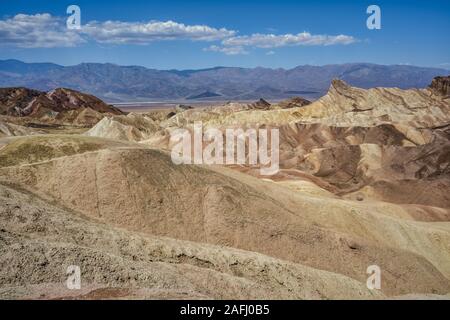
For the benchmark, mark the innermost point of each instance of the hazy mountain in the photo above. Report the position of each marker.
(133, 83)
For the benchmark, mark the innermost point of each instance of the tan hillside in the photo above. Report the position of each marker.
(120, 264)
(224, 207)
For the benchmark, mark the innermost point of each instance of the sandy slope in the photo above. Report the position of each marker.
(39, 240)
(142, 190)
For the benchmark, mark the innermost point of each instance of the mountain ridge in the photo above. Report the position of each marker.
(115, 83)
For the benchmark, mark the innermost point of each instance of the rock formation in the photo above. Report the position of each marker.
(60, 105)
(441, 85)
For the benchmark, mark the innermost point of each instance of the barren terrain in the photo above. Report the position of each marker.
(364, 180)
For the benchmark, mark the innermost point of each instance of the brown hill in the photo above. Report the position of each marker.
(60, 106)
(14, 100)
(293, 103)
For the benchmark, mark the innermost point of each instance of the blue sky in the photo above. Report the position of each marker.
(204, 34)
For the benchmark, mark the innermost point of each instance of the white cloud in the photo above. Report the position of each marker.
(231, 51)
(143, 33)
(270, 53)
(45, 30)
(37, 31)
(239, 44)
(274, 41)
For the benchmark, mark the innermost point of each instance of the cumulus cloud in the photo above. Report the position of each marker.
(143, 33)
(231, 51)
(274, 41)
(45, 30)
(37, 31)
(268, 41)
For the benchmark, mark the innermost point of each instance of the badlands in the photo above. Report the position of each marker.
(364, 180)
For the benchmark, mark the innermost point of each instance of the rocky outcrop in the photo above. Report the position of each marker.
(294, 102)
(14, 100)
(11, 129)
(441, 85)
(67, 99)
(182, 107)
(344, 105)
(132, 127)
(62, 105)
(260, 104)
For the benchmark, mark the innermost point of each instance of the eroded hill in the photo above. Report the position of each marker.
(363, 181)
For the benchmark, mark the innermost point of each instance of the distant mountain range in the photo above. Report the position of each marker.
(115, 83)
